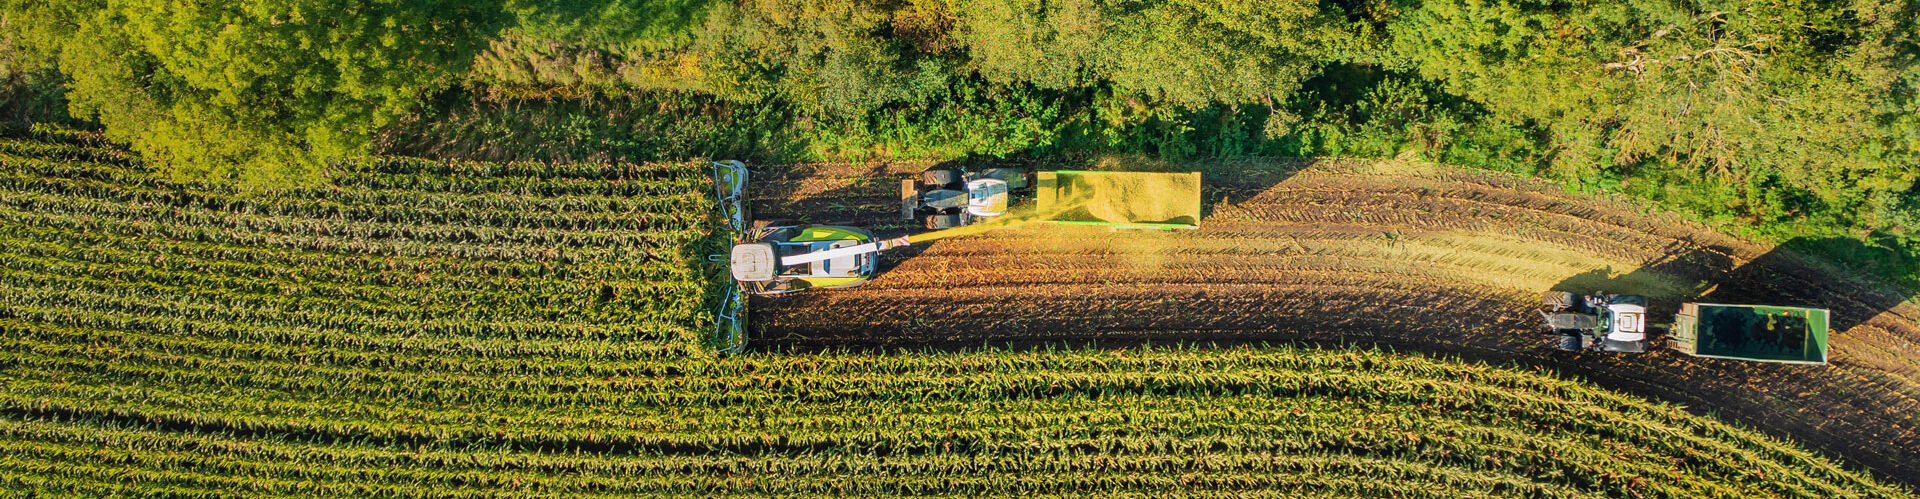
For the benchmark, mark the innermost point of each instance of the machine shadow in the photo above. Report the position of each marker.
(1070, 306)
(1225, 181)
(1785, 275)
(873, 203)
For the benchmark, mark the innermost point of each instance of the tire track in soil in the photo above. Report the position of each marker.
(1404, 256)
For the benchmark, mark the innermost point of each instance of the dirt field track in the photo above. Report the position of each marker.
(1407, 256)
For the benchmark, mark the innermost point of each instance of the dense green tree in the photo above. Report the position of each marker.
(30, 79)
(578, 47)
(1773, 97)
(258, 92)
(1769, 113)
(830, 57)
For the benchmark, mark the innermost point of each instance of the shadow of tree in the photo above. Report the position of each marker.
(639, 127)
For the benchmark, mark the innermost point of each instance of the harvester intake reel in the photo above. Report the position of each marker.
(730, 320)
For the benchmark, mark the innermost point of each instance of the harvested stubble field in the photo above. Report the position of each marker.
(423, 329)
(1412, 256)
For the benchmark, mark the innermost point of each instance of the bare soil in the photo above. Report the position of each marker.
(1406, 256)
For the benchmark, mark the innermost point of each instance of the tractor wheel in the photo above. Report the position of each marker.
(1566, 342)
(1557, 300)
(941, 177)
(943, 221)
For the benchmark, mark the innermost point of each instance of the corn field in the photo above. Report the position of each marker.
(421, 329)
(1408, 255)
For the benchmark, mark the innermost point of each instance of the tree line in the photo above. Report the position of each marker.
(1796, 112)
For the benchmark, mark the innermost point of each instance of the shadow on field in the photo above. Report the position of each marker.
(1231, 296)
(874, 204)
(1230, 182)
(1786, 276)
(870, 200)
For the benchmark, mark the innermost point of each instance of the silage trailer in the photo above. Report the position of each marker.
(1760, 333)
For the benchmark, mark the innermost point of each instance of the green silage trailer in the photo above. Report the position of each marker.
(1760, 333)
(1126, 200)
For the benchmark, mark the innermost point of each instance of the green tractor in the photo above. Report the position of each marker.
(944, 198)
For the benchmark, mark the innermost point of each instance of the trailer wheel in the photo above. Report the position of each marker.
(943, 221)
(1557, 300)
(942, 177)
(1566, 342)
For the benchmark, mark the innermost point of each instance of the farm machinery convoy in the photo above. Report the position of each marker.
(771, 258)
(1618, 323)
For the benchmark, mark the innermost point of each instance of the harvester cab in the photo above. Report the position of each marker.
(776, 260)
(943, 198)
(771, 258)
(1597, 322)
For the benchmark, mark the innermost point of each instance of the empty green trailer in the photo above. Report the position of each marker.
(1130, 200)
(1761, 333)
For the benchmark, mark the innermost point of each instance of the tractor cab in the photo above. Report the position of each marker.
(987, 197)
(1627, 324)
(1599, 322)
(757, 264)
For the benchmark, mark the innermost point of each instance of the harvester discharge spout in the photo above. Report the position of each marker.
(860, 249)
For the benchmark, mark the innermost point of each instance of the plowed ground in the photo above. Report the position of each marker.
(1408, 256)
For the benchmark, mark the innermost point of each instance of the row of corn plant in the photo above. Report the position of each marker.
(455, 329)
